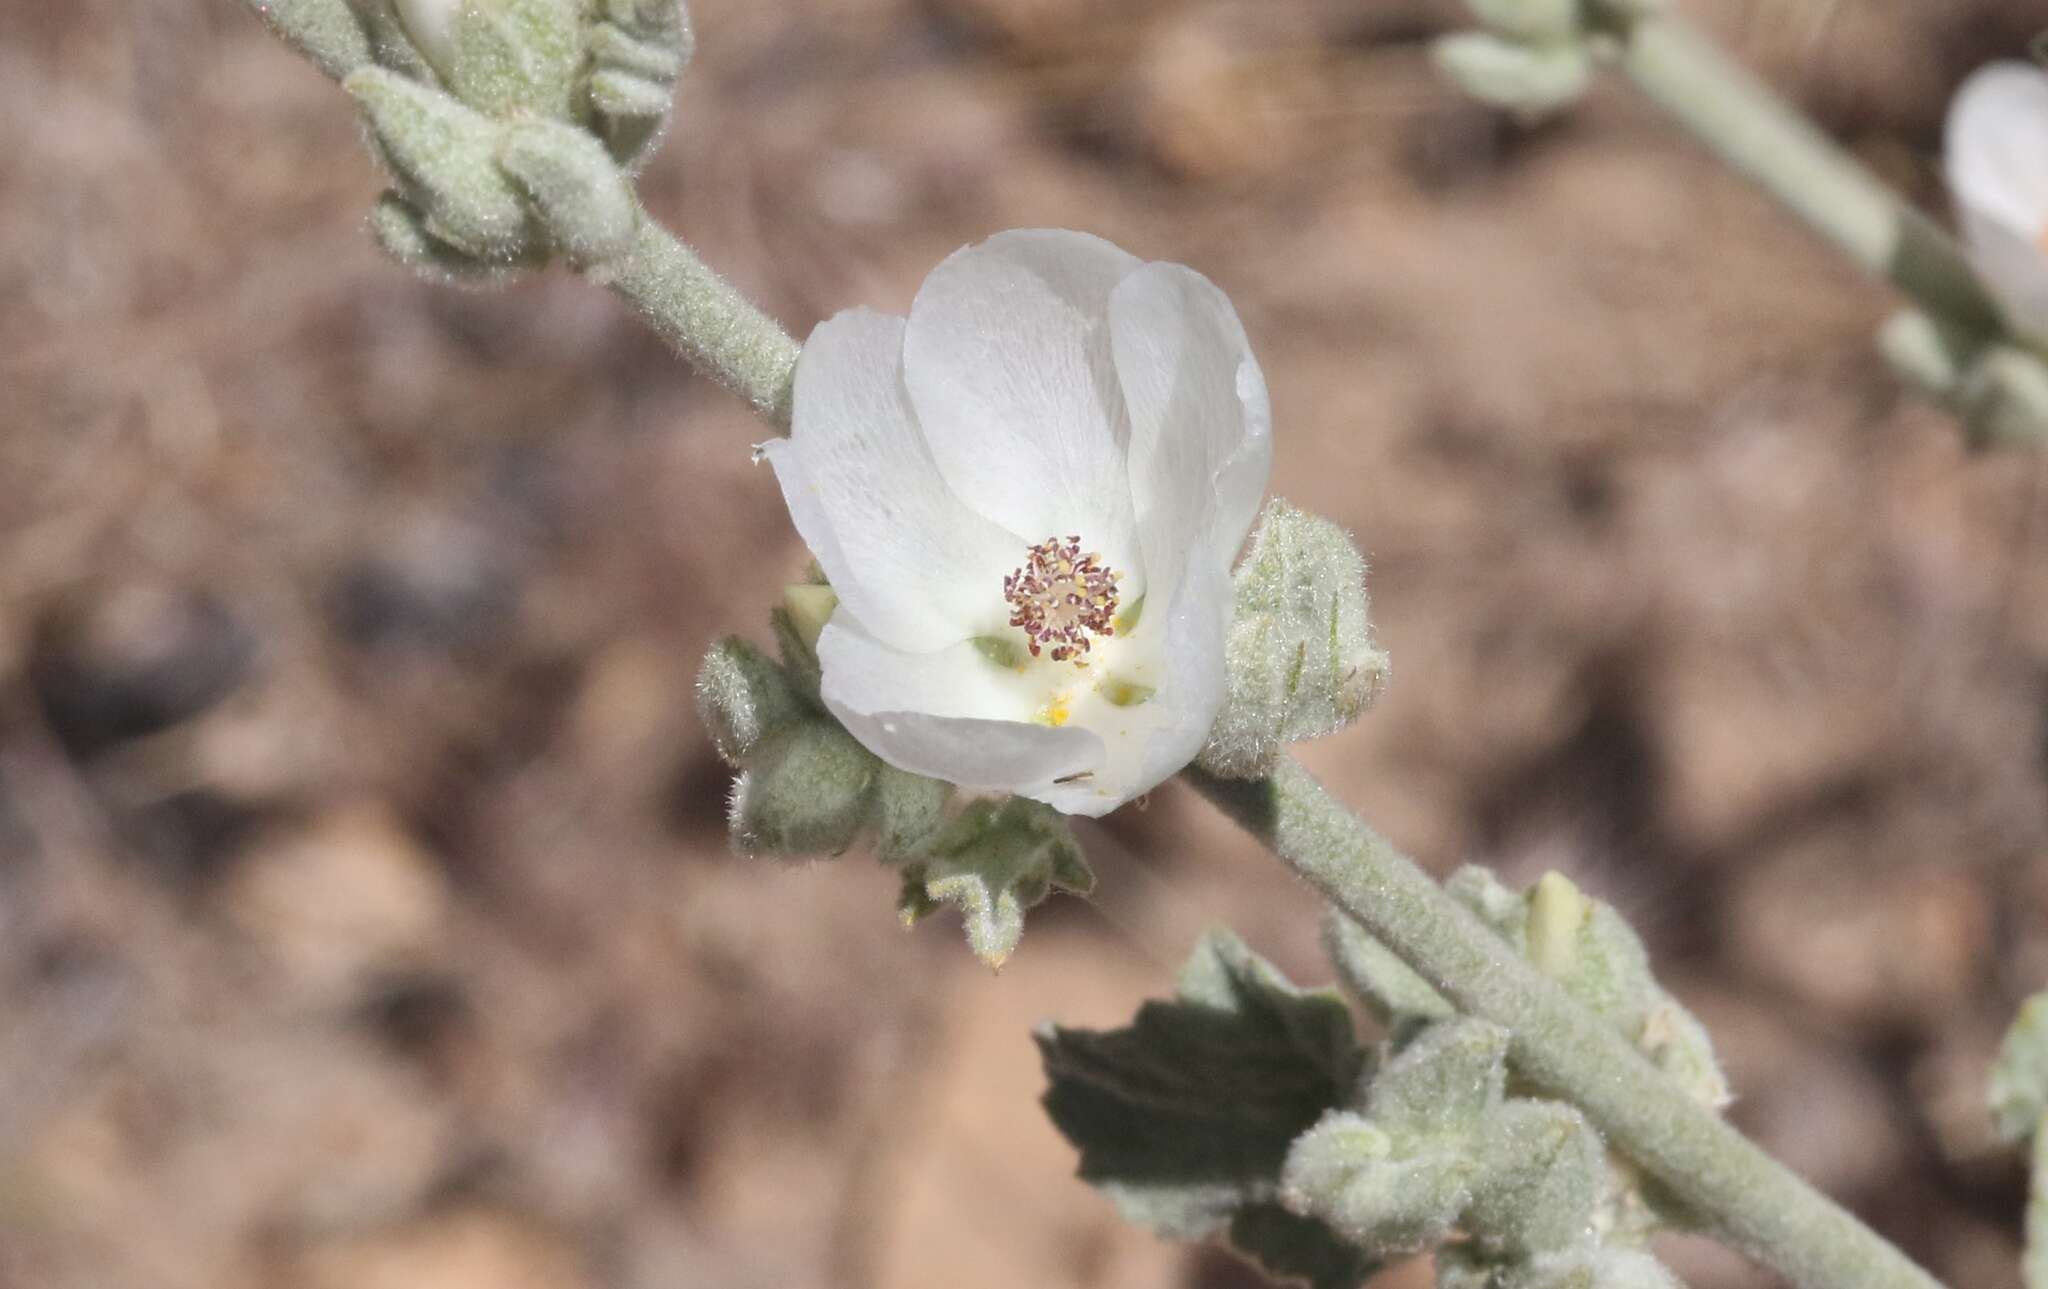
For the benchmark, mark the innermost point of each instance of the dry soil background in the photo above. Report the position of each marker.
(365, 915)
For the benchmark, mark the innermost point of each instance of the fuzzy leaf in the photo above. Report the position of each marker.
(1297, 1250)
(993, 862)
(1185, 1117)
(1390, 989)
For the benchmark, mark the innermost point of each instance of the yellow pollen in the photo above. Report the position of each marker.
(1054, 713)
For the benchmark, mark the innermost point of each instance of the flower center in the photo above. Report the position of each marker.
(1062, 599)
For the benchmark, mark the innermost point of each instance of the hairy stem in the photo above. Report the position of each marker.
(722, 333)
(1741, 121)
(1751, 1200)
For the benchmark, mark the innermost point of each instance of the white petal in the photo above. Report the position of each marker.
(1997, 161)
(1178, 649)
(1201, 423)
(917, 567)
(950, 714)
(1007, 360)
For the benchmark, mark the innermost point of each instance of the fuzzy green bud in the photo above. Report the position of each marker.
(808, 790)
(742, 697)
(909, 812)
(444, 156)
(1543, 1174)
(1300, 655)
(1531, 80)
(1389, 1194)
(508, 58)
(1444, 1081)
(574, 187)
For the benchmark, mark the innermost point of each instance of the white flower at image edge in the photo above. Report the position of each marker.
(1997, 157)
(1028, 495)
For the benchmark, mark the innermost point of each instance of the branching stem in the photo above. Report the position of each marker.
(1748, 1198)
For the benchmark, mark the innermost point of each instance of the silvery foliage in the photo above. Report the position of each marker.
(510, 137)
(1246, 1109)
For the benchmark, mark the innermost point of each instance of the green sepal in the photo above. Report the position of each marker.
(994, 861)
(1185, 1117)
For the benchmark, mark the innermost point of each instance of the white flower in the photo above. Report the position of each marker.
(1028, 495)
(1997, 145)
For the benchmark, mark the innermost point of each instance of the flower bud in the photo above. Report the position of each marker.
(575, 189)
(1300, 654)
(1389, 1195)
(1543, 1172)
(1531, 80)
(742, 697)
(808, 790)
(444, 157)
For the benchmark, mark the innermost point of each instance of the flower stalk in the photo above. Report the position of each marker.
(1747, 1198)
(709, 322)
(1739, 119)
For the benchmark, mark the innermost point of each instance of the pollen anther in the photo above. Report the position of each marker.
(1062, 599)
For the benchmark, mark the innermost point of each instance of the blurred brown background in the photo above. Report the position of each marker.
(365, 915)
